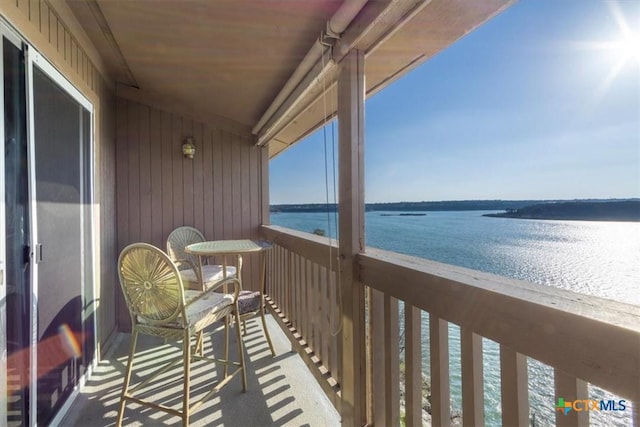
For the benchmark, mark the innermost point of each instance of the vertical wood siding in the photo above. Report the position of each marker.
(217, 192)
(52, 35)
(40, 22)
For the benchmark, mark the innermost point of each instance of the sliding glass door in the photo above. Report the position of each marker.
(60, 138)
(46, 258)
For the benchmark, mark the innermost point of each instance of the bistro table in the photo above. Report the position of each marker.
(236, 248)
(230, 247)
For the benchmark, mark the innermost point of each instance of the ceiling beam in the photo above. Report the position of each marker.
(376, 22)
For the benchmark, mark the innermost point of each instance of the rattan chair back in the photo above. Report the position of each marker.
(178, 240)
(151, 285)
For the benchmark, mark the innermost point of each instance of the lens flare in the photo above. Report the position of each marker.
(69, 341)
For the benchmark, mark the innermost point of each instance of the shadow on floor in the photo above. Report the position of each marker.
(280, 390)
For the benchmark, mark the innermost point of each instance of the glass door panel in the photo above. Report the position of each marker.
(59, 198)
(16, 313)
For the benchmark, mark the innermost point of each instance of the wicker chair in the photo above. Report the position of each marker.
(182, 237)
(250, 303)
(159, 306)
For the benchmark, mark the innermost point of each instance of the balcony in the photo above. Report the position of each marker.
(585, 340)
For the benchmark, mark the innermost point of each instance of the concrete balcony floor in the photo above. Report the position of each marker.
(281, 391)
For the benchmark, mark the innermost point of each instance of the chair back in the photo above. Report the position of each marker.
(178, 240)
(151, 285)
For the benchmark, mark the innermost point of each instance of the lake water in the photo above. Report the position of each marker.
(590, 257)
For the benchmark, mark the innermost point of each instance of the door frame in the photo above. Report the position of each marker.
(32, 59)
(5, 32)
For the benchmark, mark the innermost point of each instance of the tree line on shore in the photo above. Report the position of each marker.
(597, 206)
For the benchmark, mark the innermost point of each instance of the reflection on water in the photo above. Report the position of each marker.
(592, 257)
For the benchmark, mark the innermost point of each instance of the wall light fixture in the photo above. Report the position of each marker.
(188, 148)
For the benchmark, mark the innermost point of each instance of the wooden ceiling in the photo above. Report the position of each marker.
(228, 59)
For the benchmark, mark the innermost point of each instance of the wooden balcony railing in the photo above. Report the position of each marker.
(586, 340)
(301, 287)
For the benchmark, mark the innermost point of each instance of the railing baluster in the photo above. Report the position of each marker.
(440, 388)
(272, 271)
(268, 276)
(301, 314)
(319, 310)
(296, 292)
(278, 281)
(317, 330)
(515, 393)
(370, 373)
(412, 365)
(293, 286)
(274, 256)
(309, 302)
(472, 379)
(392, 360)
(569, 388)
(282, 278)
(334, 337)
(377, 357)
(288, 290)
(308, 308)
(324, 314)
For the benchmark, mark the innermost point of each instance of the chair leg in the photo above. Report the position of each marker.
(127, 377)
(266, 331)
(186, 348)
(199, 347)
(241, 353)
(226, 345)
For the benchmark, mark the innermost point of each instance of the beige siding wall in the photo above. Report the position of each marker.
(218, 192)
(51, 28)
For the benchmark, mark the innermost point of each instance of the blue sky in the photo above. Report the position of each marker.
(536, 104)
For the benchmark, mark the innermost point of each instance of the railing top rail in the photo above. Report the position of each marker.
(311, 246)
(604, 310)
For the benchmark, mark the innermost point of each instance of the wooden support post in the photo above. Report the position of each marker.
(569, 388)
(351, 241)
(515, 392)
(264, 186)
(472, 379)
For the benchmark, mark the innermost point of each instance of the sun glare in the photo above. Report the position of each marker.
(628, 48)
(620, 54)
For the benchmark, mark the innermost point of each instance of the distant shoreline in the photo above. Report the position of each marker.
(512, 208)
(628, 210)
